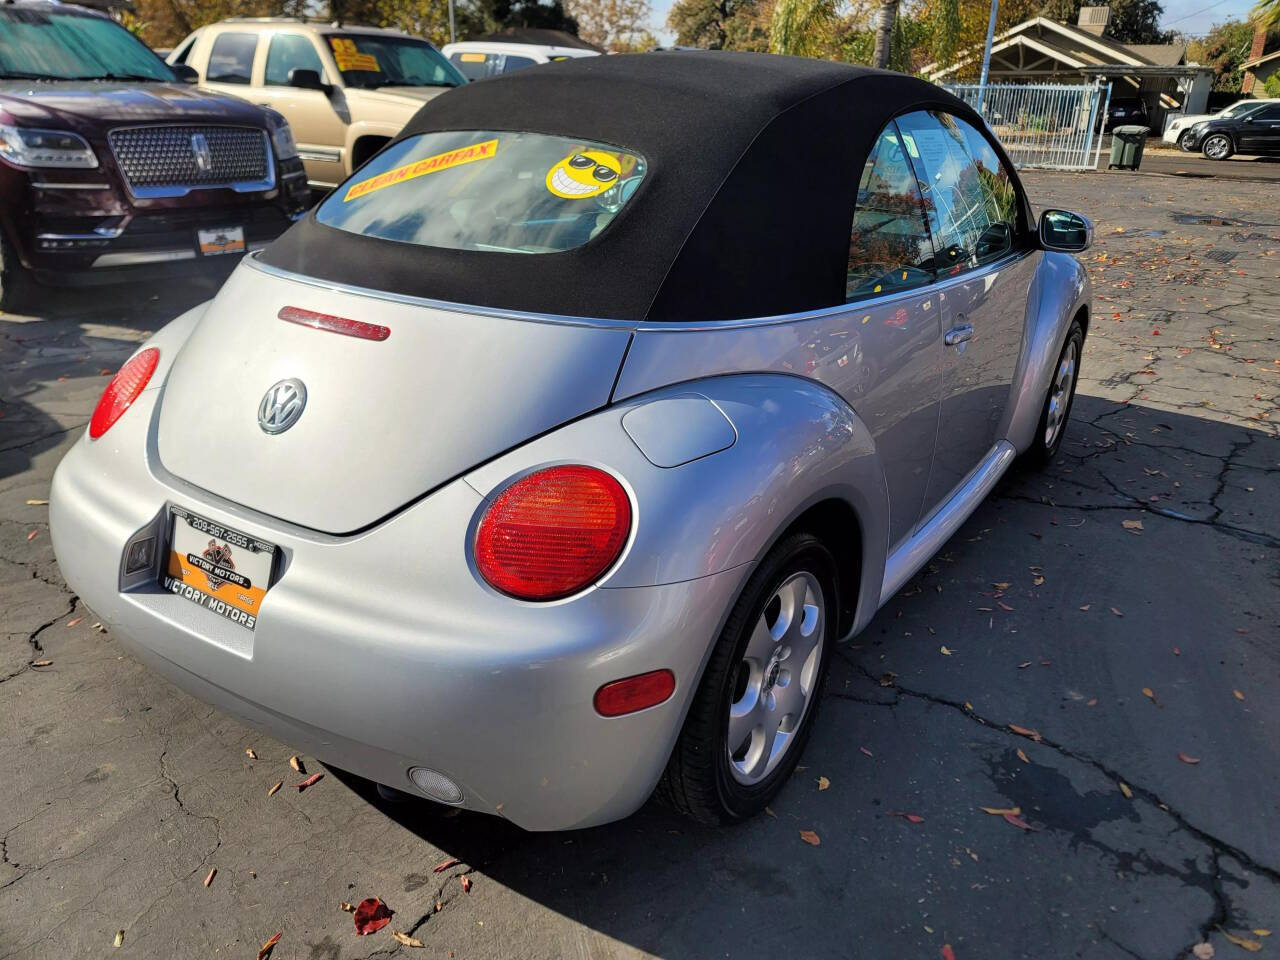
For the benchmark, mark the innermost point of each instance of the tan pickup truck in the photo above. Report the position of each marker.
(345, 90)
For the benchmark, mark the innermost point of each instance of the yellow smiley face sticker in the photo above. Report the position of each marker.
(584, 173)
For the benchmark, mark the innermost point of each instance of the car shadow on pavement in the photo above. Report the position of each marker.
(1011, 674)
(80, 335)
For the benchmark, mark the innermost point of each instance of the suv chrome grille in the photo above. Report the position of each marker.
(172, 160)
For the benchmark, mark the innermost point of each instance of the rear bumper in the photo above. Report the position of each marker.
(381, 652)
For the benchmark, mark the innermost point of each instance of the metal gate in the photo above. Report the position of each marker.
(1043, 124)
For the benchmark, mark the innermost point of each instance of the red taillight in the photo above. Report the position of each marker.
(332, 324)
(553, 532)
(635, 693)
(124, 388)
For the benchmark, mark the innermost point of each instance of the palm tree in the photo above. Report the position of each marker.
(1267, 13)
(802, 28)
(884, 32)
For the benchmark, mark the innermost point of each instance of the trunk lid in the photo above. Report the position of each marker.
(384, 421)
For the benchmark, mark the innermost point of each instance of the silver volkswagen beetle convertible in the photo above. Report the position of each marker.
(541, 467)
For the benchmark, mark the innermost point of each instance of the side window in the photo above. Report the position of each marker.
(184, 50)
(231, 60)
(512, 62)
(289, 51)
(998, 194)
(972, 209)
(1270, 113)
(889, 249)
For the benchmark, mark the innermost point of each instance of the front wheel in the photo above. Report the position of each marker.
(1057, 404)
(755, 707)
(1218, 147)
(1187, 141)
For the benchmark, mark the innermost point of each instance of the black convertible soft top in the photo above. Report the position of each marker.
(745, 209)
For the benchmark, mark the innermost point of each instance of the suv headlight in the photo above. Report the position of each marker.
(30, 147)
(282, 137)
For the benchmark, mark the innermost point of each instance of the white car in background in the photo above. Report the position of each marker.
(1177, 127)
(477, 59)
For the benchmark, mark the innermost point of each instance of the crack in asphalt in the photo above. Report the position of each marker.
(1222, 912)
(33, 638)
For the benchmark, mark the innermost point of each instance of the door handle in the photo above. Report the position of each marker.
(960, 334)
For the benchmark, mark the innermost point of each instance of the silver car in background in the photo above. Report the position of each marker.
(544, 463)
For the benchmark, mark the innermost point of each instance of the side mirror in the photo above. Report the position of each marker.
(1065, 231)
(305, 79)
(185, 73)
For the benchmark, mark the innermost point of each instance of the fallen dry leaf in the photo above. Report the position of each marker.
(1244, 943)
(769, 812)
(944, 651)
(371, 915)
(1132, 524)
(37, 503)
(811, 838)
(1150, 695)
(250, 754)
(947, 952)
(309, 781)
(823, 783)
(119, 940)
(1026, 732)
(1024, 664)
(1022, 756)
(1237, 694)
(278, 785)
(1004, 606)
(442, 867)
(466, 884)
(72, 623)
(1086, 607)
(1001, 811)
(347, 907)
(42, 663)
(1003, 585)
(886, 680)
(1203, 951)
(407, 940)
(909, 817)
(1186, 759)
(1126, 789)
(1037, 581)
(1116, 612)
(1093, 702)
(32, 535)
(866, 751)
(1017, 821)
(1261, 933)
(212, 873)
(270, 945)
(296, 762)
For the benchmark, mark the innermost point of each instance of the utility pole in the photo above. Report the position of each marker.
(453, 30)
(986, 53)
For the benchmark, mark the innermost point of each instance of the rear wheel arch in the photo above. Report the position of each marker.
(836, 524)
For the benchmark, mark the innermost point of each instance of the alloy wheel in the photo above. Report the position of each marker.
(1060, 395)
(1217, 148)
(775, 681)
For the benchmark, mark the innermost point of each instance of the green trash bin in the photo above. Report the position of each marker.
(1126, 147)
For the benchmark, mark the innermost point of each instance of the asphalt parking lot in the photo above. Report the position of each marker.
(1097, 649)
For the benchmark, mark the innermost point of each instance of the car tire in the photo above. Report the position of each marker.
(707, 778)
(1056, 412)
(16, 282)
(1217, 146)
(1187, 142)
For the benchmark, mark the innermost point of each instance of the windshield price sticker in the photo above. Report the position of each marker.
(420, 168)
(349, 57)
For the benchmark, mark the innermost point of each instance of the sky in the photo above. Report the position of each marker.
(1192, 17)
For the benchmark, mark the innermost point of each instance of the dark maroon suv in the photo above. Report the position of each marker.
(113, 167)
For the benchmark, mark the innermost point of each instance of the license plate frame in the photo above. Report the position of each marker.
(210, 578)
(218, 241)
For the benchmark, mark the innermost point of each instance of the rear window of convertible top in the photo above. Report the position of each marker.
(487, 190)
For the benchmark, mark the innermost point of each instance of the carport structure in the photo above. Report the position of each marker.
(1041, 50)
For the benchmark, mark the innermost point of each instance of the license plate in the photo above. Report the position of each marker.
(221, 240)
(215, 567)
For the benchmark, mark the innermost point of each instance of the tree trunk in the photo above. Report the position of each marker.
(884, 33)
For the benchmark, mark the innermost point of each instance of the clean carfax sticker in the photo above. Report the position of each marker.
(420, 168)
(349, 57)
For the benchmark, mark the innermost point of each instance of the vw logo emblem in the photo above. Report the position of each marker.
(282, 406)
(200, 150)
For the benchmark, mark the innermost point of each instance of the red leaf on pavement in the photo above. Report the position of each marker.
(947, 952)
(267, 947)
(1017, 821)
(809, 837)
(442, 867)
(371, 916)
(32, 535)
(1186, 759)
(309, 781)
(466, 884)
(72, 623)
(212, 873)
(909, 817)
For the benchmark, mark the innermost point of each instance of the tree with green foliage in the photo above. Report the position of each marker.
(619, 26)
(704, 23)
(1132, 21)
(803, 28)
(1267, 12)
(1225, 48)
(947, 30)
